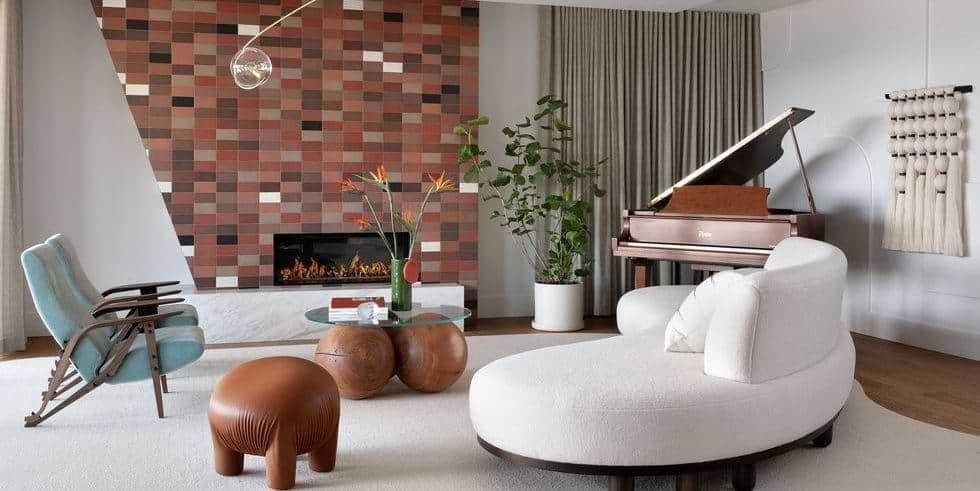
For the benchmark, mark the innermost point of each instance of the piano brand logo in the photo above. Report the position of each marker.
(704, 235)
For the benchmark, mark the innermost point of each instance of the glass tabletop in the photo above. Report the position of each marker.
(418, 316)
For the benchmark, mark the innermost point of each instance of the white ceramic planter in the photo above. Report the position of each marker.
(558, 308)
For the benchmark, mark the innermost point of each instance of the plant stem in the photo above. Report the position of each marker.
(391, 210)
(521, 242)
(378, 228)
(418, 223)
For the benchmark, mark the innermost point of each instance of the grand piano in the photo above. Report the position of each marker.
(711, 219)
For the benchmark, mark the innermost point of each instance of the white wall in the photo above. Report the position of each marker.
(86, 173)
(839, 57)
(509, 87)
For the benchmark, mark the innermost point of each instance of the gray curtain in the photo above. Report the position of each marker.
(12, 336)
(658, 94)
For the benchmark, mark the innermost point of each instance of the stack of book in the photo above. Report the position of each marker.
(346, 309)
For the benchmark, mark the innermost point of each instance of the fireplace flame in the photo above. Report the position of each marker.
(312, 270)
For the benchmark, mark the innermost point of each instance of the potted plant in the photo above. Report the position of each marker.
(542, 189)
(404, 270)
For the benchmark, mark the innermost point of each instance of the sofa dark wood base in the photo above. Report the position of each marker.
(622, 478)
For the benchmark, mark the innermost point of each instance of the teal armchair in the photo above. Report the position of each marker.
(98, 346)
(87, 293)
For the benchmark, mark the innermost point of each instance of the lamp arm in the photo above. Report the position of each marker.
(276, 23)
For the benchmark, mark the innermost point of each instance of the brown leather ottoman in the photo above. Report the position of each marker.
(277, 407)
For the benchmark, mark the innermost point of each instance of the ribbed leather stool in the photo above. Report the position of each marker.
(277, 407)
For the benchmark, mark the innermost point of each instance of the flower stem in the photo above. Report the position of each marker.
(379, 229)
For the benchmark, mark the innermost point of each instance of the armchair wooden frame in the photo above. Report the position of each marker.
(143, 318)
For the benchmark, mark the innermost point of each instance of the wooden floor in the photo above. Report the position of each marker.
(925, 385)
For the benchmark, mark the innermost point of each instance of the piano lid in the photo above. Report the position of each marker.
(745, 160)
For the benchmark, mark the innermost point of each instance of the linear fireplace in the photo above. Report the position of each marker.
(332, 258)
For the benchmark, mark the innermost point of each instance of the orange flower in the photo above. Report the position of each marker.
(364, 224)
(407, 215)
(440, 184)
(348, 185)
(379, 176)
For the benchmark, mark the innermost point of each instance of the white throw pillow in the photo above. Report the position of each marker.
(688, 328)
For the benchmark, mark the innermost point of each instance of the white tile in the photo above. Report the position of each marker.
(226, 282)
(353, 4)
(469, 187)
(431, 246)
(122, 78)
(374, 56)
(392, 67)
(137, 89)
(166, 186)
(248, 29)
(188, 250)
(121, 4)
(270, 197)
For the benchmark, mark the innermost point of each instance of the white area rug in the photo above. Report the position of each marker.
(403, 440)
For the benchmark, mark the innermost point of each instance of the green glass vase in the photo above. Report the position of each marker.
(401, 290)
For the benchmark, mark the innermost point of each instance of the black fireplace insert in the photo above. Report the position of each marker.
(333, 258)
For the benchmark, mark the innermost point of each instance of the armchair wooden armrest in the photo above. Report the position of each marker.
(142, 307)
(144, 288)
(131, 298)
(123, 322)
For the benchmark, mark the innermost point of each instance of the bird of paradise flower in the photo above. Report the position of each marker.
(408, 220)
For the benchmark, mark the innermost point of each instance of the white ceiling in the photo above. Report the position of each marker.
(755, 6)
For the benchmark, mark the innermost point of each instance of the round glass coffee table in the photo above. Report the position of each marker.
(423, 347)
(416, 317)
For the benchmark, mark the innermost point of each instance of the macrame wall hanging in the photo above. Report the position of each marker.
(926, 143)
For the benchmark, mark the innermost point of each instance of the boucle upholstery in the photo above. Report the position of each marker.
(688, 328)
(644, 309)
(624, 401)
(781, 321)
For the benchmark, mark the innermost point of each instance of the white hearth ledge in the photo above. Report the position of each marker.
(276, 313)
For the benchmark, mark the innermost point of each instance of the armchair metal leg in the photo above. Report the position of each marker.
(35, 418)
(154, 358)
(67, 386)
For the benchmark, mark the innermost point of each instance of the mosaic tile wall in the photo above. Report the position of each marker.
(356, 83)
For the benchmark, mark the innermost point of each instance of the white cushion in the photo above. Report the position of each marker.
(650, 308)
(782, 320)
(623, 401)
(688, 327)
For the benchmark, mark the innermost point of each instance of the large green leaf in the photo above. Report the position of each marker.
(501, 180)
(471, 174)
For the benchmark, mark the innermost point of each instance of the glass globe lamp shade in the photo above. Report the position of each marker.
(251, 67)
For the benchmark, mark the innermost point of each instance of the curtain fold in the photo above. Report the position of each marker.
(12, 336)
(656, 93)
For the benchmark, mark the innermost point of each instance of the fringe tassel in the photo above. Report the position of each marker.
(920, 194)
(888, 235)
(939, 230)
(929, 202)
(899, 222)
(908, 224)
(953, 243)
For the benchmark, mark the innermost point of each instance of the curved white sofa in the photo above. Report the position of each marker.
(776, 370)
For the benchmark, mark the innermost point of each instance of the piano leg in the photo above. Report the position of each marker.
(641, 270)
